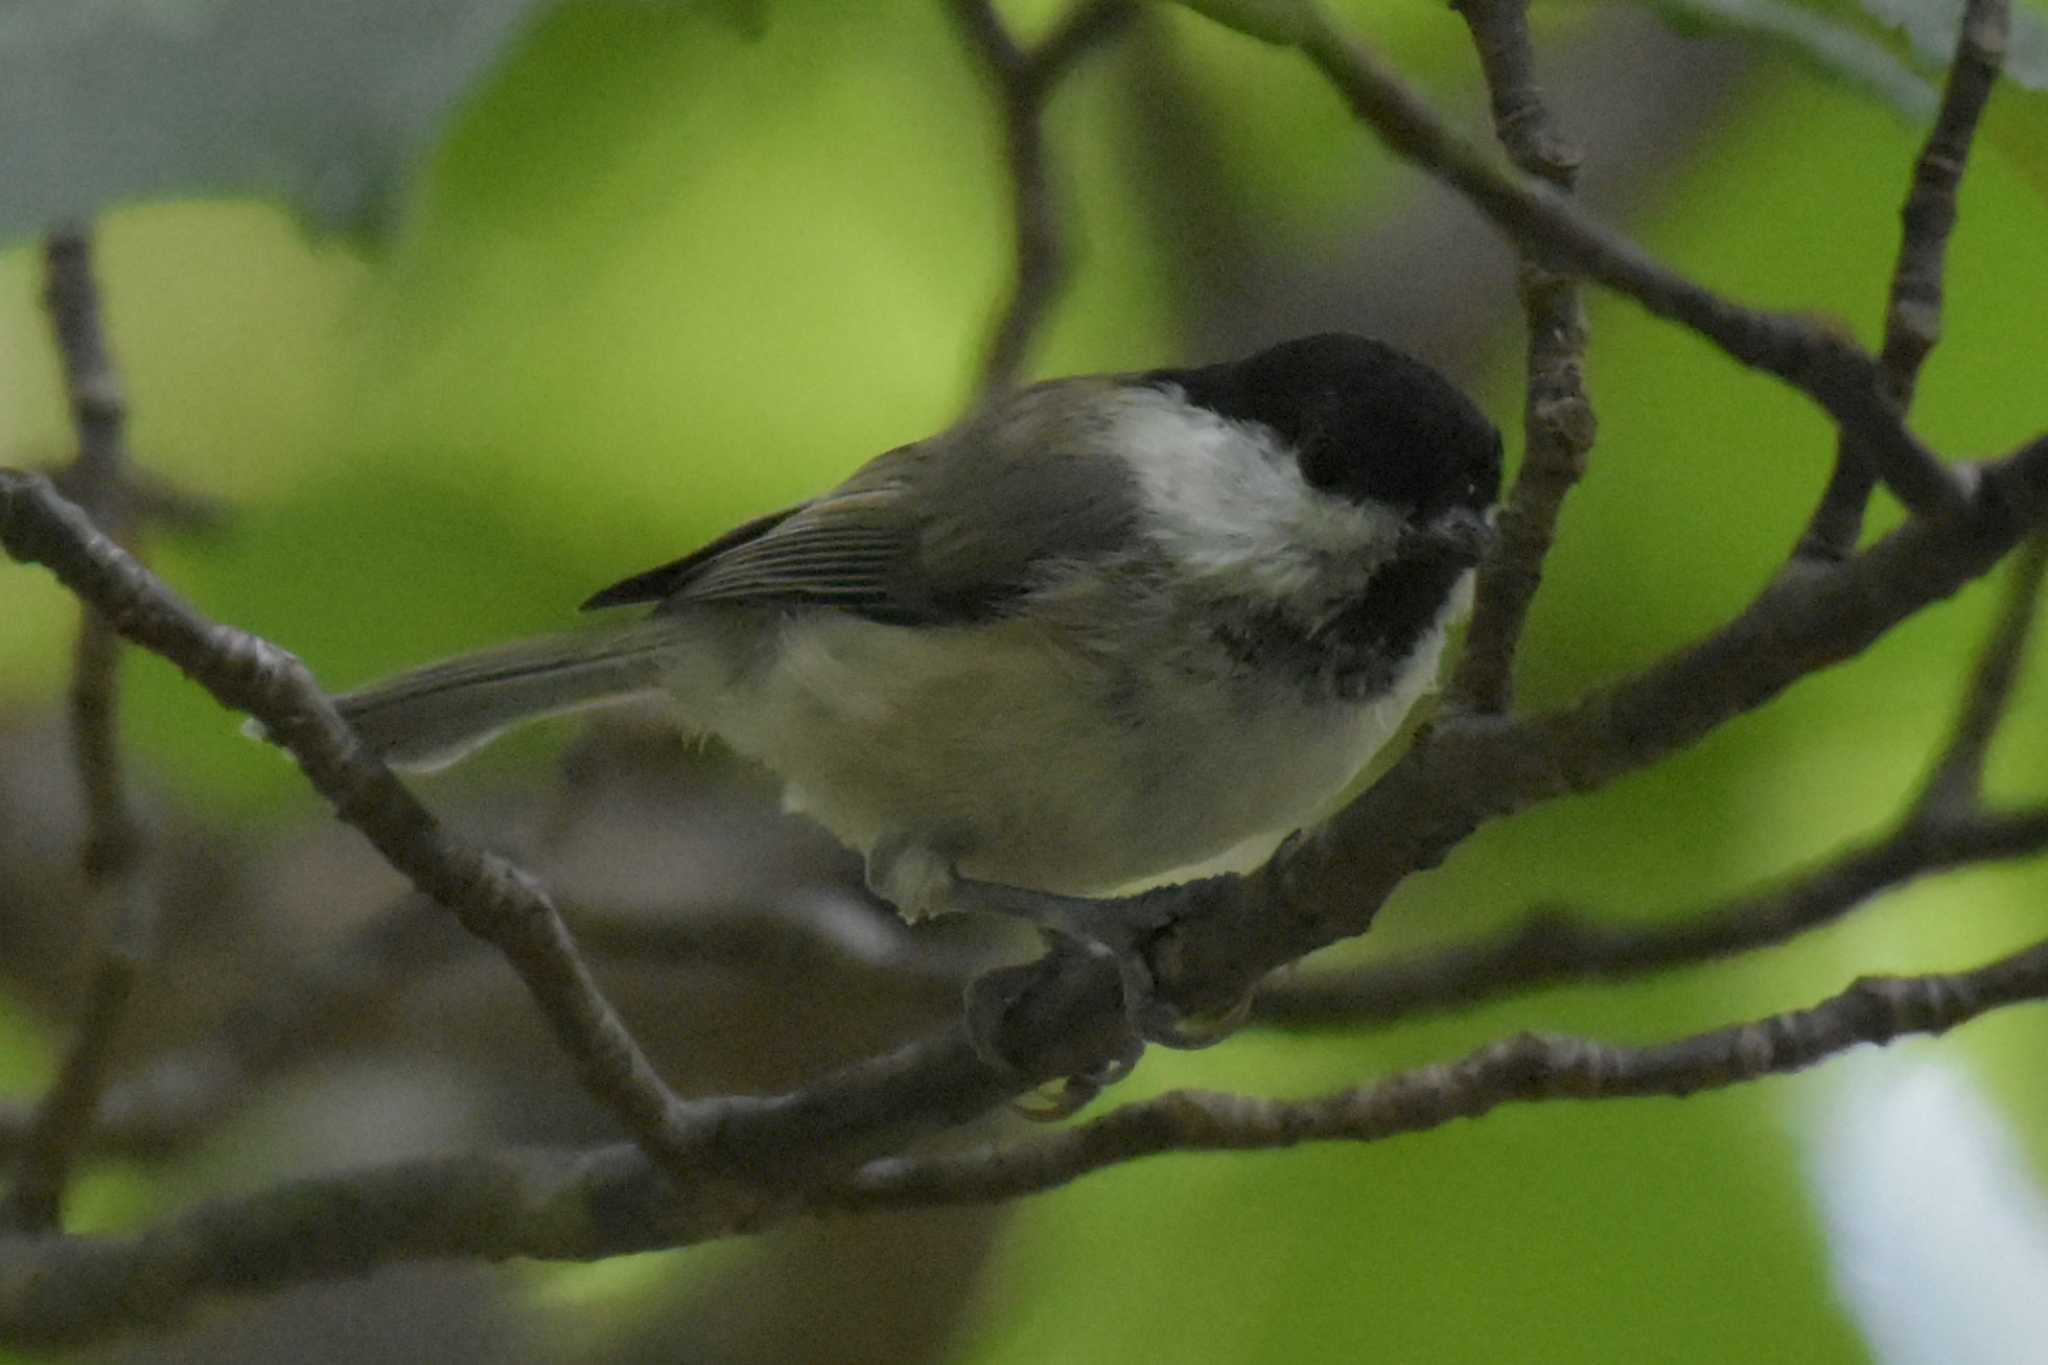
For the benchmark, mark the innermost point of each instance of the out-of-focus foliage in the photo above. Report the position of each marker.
(1930, 26)
(323, 107)
(1895, 48)
(1827, 43)
(661, 274)
(1895, 51)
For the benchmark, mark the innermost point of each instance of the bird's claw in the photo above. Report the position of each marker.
(989, 999)
(1074, 925)
(1151, 1019)
(1192, 1032)
(1069, 1095)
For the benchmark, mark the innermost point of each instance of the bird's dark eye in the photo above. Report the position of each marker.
(1321, 465)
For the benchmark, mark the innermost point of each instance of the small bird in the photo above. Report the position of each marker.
(1105, 628)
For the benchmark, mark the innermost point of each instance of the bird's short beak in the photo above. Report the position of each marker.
(1460, 536)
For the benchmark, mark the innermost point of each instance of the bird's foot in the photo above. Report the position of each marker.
(989, 999)
(921, 882)
(1114, 931)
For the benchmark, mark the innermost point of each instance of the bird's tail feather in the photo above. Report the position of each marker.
(433, 716)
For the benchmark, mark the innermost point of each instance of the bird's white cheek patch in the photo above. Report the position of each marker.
(1251, 522)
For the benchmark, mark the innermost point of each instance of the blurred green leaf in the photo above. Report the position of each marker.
(1896, 51)
(26, 1058)
(1820, 41)
(322, 105)
(1930, 26)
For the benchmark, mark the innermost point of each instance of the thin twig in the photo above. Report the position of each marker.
(152, 501)
(99, 476)
(1956, 785)
(1553, 947)
(114, 854)
(492, 898)
(1828, 368)
(1522, 1069)
(1557, 418)
(1913, 315)
(609, 1201)
(99, 411)
(1025, 82)
(63, 1120)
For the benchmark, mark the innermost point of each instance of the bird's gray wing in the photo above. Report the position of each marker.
(652, 585)
(945, 532)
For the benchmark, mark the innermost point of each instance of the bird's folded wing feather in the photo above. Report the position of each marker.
(944, 532)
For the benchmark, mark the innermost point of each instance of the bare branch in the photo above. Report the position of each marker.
(99, 411)
(1827, 367)
(1557, 946)
(493, 899)
(610, 1201)
(1557, 419)
(114, 854)
(1025, 82)
(63, 1120)
(1837, 522)
(1956, 785)
(98, 475)
(1913, 316)
(152, 501)
(1522, 1069)
(567, 1205)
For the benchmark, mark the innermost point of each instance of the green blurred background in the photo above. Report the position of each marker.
(662, 272)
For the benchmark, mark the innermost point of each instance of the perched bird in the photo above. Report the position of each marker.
(1104, 628)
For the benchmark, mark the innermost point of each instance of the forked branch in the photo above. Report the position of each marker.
(1557, 418)
(1025, 80)
(1913, 315)
(120, 907)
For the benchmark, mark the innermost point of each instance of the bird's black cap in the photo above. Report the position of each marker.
(1364, 420)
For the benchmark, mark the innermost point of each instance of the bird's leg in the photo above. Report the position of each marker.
(922, 882)
(1115, 929)
(989, 999)
(1074, 924)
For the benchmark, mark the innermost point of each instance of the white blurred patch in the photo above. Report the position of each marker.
(1937, 1228)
